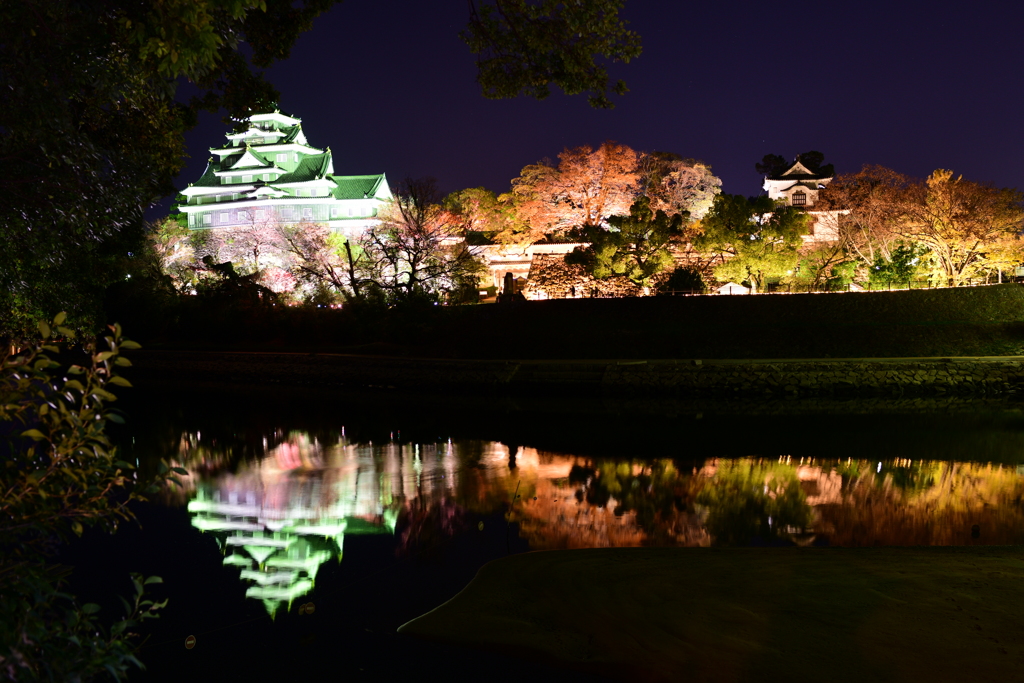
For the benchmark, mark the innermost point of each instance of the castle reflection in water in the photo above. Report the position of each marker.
(280, 516)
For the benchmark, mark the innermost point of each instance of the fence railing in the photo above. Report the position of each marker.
(851, 287)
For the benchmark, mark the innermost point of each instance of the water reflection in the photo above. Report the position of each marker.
(280, 516)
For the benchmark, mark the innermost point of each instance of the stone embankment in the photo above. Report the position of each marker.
(855, 377)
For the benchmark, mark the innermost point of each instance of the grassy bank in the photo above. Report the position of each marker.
(980, 321)
(665, 614)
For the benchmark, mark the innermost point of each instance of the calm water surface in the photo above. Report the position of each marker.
(297, 500)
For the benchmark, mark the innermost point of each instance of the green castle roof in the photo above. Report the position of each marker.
(312, 167)
(356, 186)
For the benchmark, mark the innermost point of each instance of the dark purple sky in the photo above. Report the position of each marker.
(910, 85)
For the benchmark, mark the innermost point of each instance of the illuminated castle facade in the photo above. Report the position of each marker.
(270, 173)
(799, 186)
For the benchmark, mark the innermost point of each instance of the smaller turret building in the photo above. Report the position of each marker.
(797, 185)
(270, 173)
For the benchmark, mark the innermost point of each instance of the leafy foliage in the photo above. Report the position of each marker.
(966, 226)
(636, 247)
(967, 229)
(903, 264)
(683, 279)
(586, 187)
(756, 239)
(61, 474)
(524, 47)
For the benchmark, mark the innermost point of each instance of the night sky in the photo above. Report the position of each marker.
(914, 86)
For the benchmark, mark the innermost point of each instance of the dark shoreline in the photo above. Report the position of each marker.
(693, 378)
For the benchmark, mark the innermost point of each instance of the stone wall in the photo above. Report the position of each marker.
(551, 278)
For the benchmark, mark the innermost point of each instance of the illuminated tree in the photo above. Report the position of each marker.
(678, 185)
(498, 216)
(255, 237)
(755, 239)
(866, 207)
(825, 267)
(636, 246)
(524, 47)
(173, 250)
(582, 191)
(324, 258)
(968, 227)
(419, 249)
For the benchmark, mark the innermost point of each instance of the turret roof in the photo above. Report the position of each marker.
(798, 171)
(313, 167)
(356, 186)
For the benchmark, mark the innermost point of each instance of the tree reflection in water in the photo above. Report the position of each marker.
(284, 508)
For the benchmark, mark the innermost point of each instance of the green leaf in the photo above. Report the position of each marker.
(44, 329)
(76, 370)
(115, 418)
(100, 357)
(60, 318)
(76, 526)
(34, 434)
(124, 465)
(129, 344)
(122, 361)
(120, 381)
(90, 608)
(103, 394)
(74, 384)
(67, 332)
(180, 470)
(153, 579)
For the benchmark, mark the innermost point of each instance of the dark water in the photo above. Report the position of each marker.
(375, 508)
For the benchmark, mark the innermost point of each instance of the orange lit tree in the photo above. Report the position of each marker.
(586, 187)
(968, 227)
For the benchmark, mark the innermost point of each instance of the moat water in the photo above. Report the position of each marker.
(313, 523)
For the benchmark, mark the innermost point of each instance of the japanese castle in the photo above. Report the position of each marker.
(270, 173)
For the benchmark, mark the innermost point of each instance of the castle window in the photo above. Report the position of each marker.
(282, 157)
(247, 179)
(266, 176)
(260, 214)
(799, 199)
(208, 219)
(307, 213)
(224, 217)
(334, 211)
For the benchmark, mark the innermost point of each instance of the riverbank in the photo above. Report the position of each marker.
(737, 614)
(719, 378)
